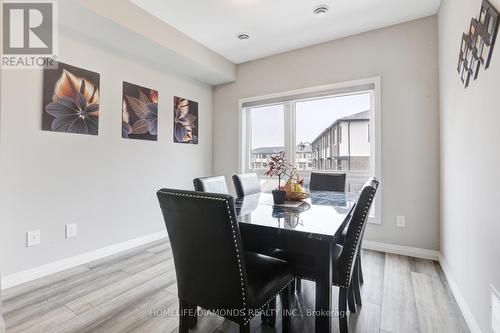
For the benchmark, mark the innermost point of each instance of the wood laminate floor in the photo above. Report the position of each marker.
(135, 291)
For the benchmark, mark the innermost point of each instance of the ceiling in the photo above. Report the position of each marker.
(277, 26)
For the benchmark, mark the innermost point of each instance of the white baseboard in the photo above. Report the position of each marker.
(462, 304)
(432, 255)
(60, 265)
(402, 250)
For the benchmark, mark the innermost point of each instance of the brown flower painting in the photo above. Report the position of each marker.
(70, 100)
(185, 121)
(139, 112)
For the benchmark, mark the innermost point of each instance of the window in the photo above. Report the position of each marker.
(267, 138)
(328, 129)
(323, 124)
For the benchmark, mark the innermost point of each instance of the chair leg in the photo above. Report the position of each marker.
(269, 313)
(356, 286)
(299, 284)
(343, 310)
(350, 299)
(285, 309)
(245, 328)
(187, 316)
(360, 269)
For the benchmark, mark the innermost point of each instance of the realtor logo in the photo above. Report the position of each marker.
(28, 34)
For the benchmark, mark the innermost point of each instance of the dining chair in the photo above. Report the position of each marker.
(334, 182)
(346, 253)
(215, 184)
(345, 262)
(218, 184)
(354, 294)
(213, 271)
(327, 182)
(246, 184)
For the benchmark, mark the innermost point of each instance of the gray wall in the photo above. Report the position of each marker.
(405, 56)
(470, 160)
(103, 183)
(2, 322)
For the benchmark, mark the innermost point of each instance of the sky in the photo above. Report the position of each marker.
(312, 118)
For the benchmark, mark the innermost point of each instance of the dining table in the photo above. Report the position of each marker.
(302, 232)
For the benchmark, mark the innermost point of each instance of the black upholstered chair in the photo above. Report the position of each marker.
(345, 256)
(218, 184)
(246, 184)
(327, 182)
(212, 269)
(323, 182)
(211, 184)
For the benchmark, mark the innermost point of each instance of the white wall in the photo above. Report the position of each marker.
(103, 183)
(470, 160)
(405, 56)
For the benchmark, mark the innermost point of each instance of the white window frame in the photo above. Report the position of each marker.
(245, 135)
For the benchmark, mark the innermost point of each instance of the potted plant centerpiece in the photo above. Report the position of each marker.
(278, 166)
(293, 189)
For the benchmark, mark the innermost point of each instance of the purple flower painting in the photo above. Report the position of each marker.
(185, 121)
(70, 100)
(139, 112)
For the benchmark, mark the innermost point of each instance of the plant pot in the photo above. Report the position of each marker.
(279, 197)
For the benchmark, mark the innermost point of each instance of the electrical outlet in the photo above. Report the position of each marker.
(32, 238)
(71, 230)
(400, 221)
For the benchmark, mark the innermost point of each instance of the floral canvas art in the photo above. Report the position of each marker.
(70, 100)
(139, 112)
(185, 121)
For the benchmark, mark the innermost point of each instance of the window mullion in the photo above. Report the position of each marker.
(290, 131)
(248, 143)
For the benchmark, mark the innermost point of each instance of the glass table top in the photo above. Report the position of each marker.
(321, 214)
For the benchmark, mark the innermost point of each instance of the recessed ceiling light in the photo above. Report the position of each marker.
(321, 10)
(243, 36)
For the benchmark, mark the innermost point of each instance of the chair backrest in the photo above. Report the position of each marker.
(211, 184)
(246, 184)
(344, 260)
(207, 248)
(327, 182)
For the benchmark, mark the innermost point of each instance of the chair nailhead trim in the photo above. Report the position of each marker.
(243, 289)
(196, 188)
(270, 299)
(347, 278)
(198, 196)
(358, 232)
(237, 188)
